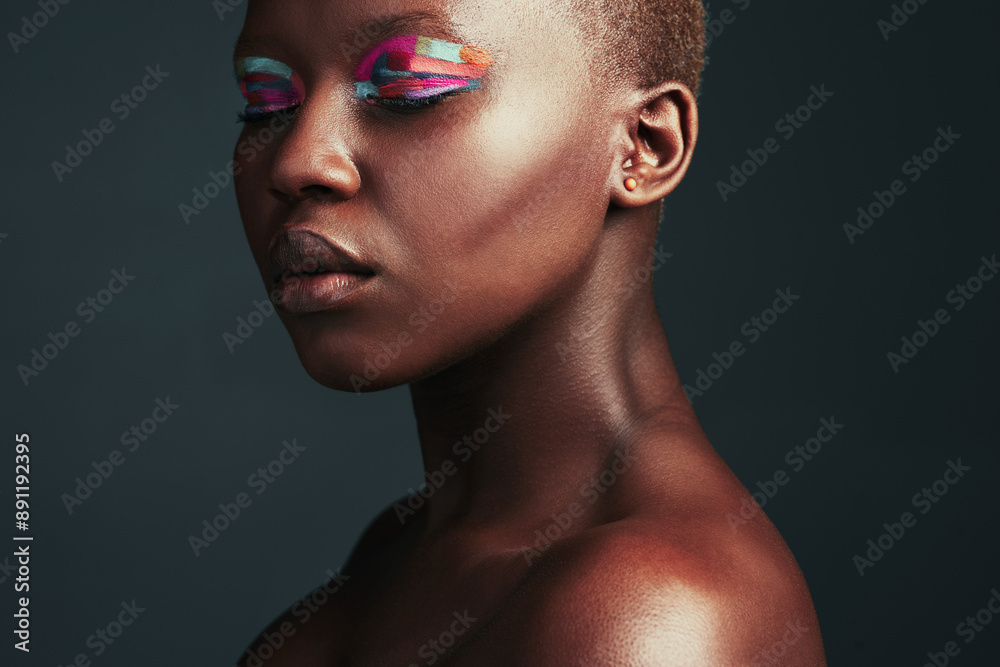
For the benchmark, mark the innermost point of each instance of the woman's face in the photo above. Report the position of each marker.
(463, 217)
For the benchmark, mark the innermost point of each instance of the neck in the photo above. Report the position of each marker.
(509, 435)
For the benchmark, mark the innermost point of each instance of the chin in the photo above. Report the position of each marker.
(355, 383)
(361, 369)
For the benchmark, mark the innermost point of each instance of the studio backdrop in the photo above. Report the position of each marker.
(827, 274)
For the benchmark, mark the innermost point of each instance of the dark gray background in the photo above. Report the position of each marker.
(162, 336)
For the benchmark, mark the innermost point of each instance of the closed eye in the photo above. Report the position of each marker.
(253, 117)
(407, 104)
(413, 72)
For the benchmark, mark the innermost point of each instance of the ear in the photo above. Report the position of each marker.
(663, 127)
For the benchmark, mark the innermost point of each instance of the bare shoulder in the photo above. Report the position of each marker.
(629, 593)
(313, 629)
(301, 635)
(682, 571)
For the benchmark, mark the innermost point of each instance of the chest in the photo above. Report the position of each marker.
(429, 613)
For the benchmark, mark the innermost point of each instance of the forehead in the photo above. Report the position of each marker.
(337, 30)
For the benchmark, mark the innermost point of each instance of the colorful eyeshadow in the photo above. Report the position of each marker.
(268, 85)
(416, 67)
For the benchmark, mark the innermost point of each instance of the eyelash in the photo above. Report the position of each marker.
(254, 118)
(396, 104)
(407, 105)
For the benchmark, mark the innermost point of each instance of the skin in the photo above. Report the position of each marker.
(515, 194)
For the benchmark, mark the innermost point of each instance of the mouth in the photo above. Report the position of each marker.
(309, 273)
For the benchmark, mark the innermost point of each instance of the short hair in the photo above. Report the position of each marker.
(653, 40)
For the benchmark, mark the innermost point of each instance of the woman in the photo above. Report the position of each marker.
(457, 196)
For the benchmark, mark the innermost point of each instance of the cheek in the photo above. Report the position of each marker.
(485, 221)
(511, 196)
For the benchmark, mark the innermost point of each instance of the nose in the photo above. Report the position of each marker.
(312, 159)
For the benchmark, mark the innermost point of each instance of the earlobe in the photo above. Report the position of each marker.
(661, 141)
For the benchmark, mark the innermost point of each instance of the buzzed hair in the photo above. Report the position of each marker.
(652, 40)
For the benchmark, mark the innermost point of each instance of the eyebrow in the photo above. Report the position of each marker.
(409, 22)
(381, 28)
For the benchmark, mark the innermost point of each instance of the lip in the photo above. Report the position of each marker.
(310, 273)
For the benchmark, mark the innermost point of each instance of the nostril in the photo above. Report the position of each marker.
(309, 165)
(308, 192)
(317, 189)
